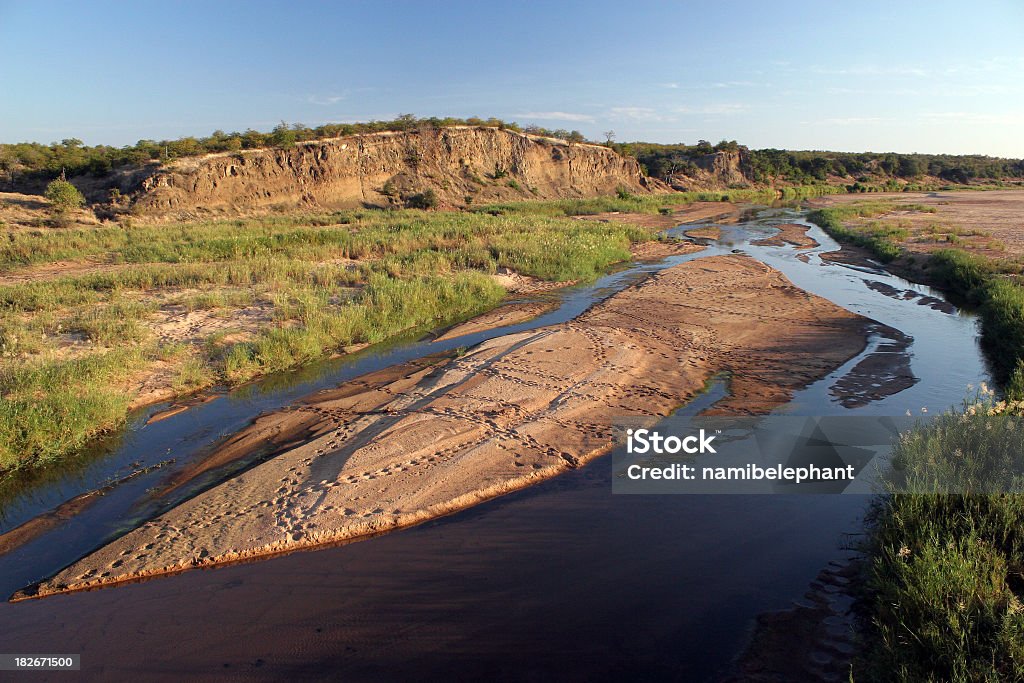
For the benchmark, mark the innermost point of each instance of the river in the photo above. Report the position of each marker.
(562, 579)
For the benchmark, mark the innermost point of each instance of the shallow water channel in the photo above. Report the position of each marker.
(559, 579)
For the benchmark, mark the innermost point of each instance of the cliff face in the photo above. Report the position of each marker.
(462, 165)
(713, 172)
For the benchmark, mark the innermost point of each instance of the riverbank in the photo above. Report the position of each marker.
(509, 412)
(967, 244)
(939, 585)
(96, 320)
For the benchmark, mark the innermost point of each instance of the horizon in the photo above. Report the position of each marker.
(825, 83)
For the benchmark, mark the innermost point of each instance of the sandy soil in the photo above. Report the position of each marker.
(659, 249)
(811, 642)
(790, 233)
(996, 216)
(709, 232)
(382, 453)
(29, 211)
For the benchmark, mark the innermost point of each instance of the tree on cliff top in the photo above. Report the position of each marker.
(283, 136)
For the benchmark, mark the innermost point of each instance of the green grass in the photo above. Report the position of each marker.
(50, 409)
(387, 307)
(878, 237)
(945, 553)
(991, 285)
(415, 269)
(652, 204)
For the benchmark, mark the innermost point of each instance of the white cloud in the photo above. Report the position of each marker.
(636, 114)
(872, 70)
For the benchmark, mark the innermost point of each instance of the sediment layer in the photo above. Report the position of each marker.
(459, 164)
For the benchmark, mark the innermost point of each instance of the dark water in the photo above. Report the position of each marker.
(563, 579)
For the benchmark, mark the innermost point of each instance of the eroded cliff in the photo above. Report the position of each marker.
(460, 165)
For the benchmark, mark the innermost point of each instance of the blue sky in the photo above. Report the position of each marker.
(902, 76)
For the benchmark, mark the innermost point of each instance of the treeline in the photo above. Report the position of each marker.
(769, 166)
(73, 157)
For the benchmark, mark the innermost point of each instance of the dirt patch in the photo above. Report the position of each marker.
(52, 271)
(510, 412)
(517, 283)
(708, 232)
(29, 212)
(934, 303)
(884, 372)
(789, 233)
(176, 323)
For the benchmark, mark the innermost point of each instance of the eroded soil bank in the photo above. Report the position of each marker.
(385, 452)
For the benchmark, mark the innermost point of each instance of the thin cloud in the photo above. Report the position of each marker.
(636, 114)
(972, 118)
(325, 99)
(557, 116)
(852, 121)
(716, 109)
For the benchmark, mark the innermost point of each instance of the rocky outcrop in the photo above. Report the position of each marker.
(714, 171)
(458, 165)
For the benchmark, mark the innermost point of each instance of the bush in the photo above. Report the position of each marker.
(424, 200)
(63, 195)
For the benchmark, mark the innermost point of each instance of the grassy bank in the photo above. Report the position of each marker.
(945, 552)
(73, 346)
(877, 237)
(652, 204)
(993, 286)
(990, 284)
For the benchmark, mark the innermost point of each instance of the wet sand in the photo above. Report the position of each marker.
(789, 233)
(426, 440)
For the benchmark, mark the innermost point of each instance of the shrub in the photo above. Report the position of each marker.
(63, 195)
(424, 200)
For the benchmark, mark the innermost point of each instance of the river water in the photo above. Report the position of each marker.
(560, 579)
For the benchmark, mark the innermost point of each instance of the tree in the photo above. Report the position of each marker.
(283, 136)
(609, 137)
(63, 195)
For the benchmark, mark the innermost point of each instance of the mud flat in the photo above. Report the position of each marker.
(789, 233)
(421, 440)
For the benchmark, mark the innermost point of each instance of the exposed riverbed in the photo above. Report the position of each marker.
(567, 576)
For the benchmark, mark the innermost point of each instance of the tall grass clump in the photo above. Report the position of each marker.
(387, 306)
(945, 552)
(48, 410)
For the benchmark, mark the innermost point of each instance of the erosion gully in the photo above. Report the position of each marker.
(559, 579)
